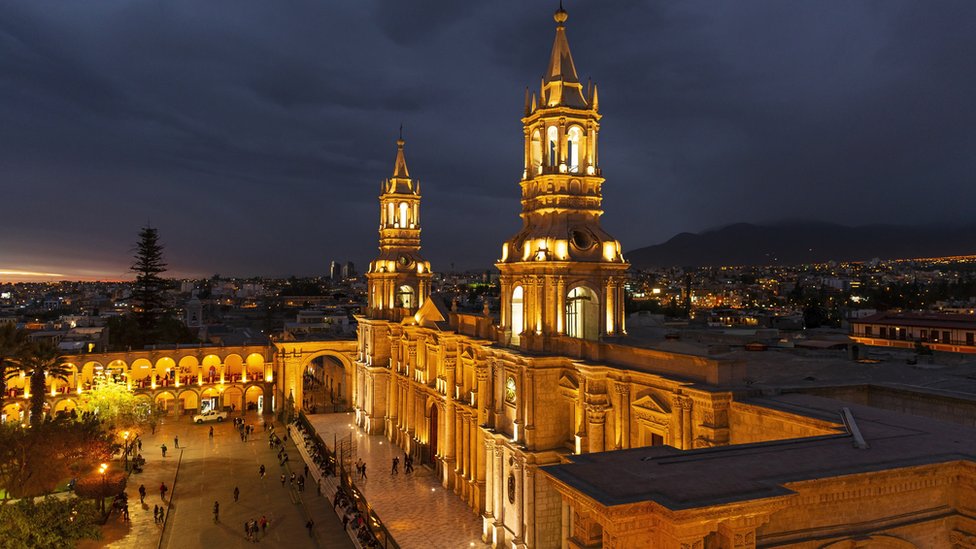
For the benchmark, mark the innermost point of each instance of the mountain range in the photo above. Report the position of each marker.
(794, 243)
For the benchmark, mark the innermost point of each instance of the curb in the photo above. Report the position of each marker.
(172, 494)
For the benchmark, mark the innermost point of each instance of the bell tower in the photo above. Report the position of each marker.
(562, 274)
(399, 278)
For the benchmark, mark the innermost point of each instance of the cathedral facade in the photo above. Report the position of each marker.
(513, 412)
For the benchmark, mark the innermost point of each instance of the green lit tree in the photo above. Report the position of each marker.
(50, 523)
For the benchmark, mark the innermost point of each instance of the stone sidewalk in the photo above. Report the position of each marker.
(415, 508)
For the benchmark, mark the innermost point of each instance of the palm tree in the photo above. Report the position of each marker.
(12, 345)
(41, 361)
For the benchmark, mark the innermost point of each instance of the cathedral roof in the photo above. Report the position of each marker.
(400, 166)
(561, 84)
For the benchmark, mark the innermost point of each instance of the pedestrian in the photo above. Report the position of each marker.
(242, 436)
(156, 514)
(264, 525)
(237, 493)
(247, 530)
(362, 473)
(162, 490)
(282, 480)
(301, 484)
(359, 466)
(291, 480)
(176, 442)
(125, 512)
(211, 431)
(164, 450)
(396, 463)
(216, 512)
(306, 470)
(309, 525)
(139, 443)
(142, 493)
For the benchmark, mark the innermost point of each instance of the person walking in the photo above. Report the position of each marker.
(156, 514)
(362, 472)
(216, 512)
(247, 530)
(264, 525)
(396, 463)
(162, 490)
(237, 494)
(309, 525)
(142, 493)
(164, 450)
(211, 431)
(261, 470)
(291, 481)
(282, 480)
(306, 470)
(176, 442)
(139, 443)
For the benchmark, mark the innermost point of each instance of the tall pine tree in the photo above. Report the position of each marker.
(148, 301)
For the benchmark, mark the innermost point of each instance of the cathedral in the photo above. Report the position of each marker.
(558, 433)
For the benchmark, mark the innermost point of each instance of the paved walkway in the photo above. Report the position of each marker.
(415, 508)
(209, 469)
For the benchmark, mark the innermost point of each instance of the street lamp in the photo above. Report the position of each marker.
(125, 449)
(101, 471)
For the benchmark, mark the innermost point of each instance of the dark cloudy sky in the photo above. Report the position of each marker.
(254, 134)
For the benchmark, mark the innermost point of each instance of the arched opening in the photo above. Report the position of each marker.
(12, 412)
(406, 297)
(64, 406)
(187, 370)
(404, 214)
(432, 437)
(233, 399)
(115, 371)
(164, 402)
(326, 385)
(141, 373)
(233, 366)
(210, 369)
(255, 366)
(518, 317)
(582, 313)
(552, 136)
(254, 399)
(535, 153)
(189, 401)
(574, 139)
(210, 400)
(165, 371)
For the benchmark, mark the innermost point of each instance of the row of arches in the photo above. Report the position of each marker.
(581, 314)
(187, 400)
(553, 154)
(400, 215)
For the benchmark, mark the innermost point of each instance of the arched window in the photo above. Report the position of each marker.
(403, 215)
(390, 217)
(553, 138)
(582, 313)
(574, 140)
(518, 318)
(406, 297)
(535, 152)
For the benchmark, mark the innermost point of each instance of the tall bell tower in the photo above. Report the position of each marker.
(562, 274)
(399, 278)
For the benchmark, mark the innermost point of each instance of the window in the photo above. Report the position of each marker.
(403, 215)
(969, 338)
(406, 297)
(573, 141)
(510, 390)
(868, 331)
(518, 321)
(390, 216)
(582, 315)
(553, 136)
(535, 152)
(883, 332)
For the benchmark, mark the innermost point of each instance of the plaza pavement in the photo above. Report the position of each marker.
(208, 470)
(415, 508)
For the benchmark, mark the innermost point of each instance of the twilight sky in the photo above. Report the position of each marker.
(254, 134)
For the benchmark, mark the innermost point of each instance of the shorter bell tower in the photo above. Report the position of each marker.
(399, 277)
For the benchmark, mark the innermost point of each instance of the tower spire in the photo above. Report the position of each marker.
(561, 80)
(400, 166)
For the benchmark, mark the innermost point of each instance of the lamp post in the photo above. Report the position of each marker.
(101, 500)
(125, 449)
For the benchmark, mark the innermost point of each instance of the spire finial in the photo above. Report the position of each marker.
(400, 166)
(560, 16)
(401, 131)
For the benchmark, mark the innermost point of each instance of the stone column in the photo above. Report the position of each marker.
(489, 492)
(623, 392)
(518, 467)
(561, 305)
(566, 527)
(596, 416)
(528, 407)
(738, 534)
(500, 491)
(686, 424)
(528, 513)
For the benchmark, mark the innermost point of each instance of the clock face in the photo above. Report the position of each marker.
(403, 260)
